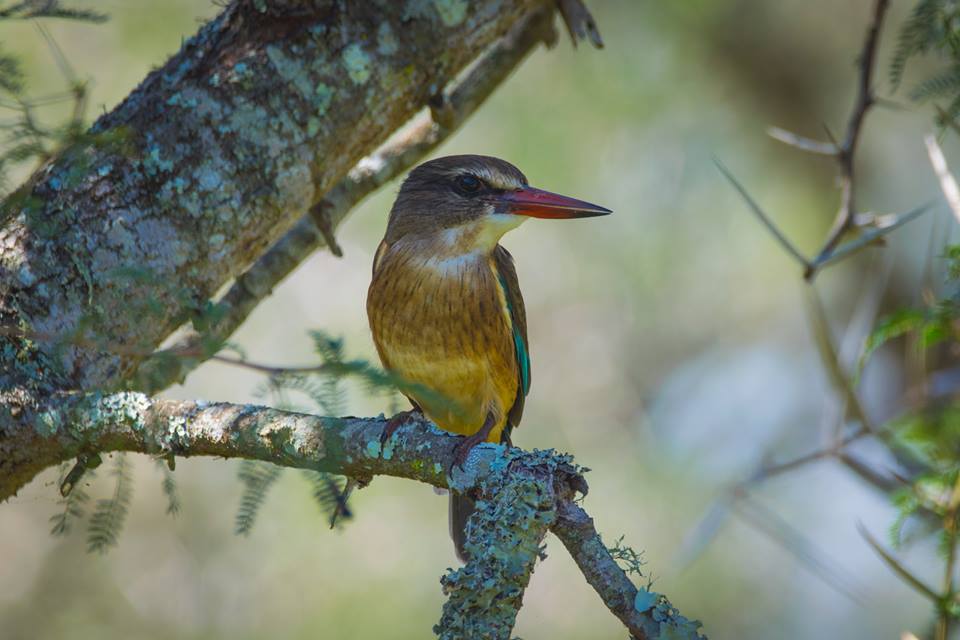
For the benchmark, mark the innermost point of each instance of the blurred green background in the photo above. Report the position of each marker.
(670, 350)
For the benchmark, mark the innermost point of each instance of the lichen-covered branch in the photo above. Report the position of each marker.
(204, 166)
(450, 110)
(520, 495)
(516, 495)
(645, 613)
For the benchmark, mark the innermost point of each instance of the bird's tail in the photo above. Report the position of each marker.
(461, 508)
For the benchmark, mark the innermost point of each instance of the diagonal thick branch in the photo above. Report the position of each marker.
(521, 495)
(131, 231)
(315, 229)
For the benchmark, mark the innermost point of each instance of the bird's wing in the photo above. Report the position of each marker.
(384, 356)
(507, 274)
(378, 256)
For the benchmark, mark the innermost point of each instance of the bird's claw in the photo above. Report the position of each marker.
(461, 452)
(580, 22)
(397, 421)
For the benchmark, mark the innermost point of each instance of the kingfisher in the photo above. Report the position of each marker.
(444, 303)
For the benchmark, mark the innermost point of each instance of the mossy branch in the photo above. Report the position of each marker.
(520, 494)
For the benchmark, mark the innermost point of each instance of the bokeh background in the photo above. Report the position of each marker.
(671, 351)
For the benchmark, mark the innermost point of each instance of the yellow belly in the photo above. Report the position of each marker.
(443, 325)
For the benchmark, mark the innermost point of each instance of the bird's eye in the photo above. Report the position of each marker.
(468, 184)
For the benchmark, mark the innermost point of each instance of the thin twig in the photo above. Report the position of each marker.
(846, 151)
(828, 353)
(580, 22)
(897, 567)
(800, 142)
(948, 184)
(782, 532)
(833, 451)
(762, 216)
(885, 482)
(270, 369)
(886, 225)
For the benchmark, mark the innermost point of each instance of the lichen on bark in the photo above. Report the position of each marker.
(222, 149)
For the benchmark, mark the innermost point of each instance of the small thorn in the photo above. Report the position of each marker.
(320, 213)
(441, 110)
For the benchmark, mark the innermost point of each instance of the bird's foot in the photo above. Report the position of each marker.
(463, 448)
(397, 421)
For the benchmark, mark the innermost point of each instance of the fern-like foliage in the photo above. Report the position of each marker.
(73, 505)
(321, 383)
(257, 478)
(331, 493)
(927, 435)
(108, 518)
(322, 387)
(26, 137)
(933, 28)
(931, 25)
(169, 487)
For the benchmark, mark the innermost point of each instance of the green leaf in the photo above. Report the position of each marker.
(73, 505)
(330, 493)
(893, 326)
(169, 487)
(932, 436)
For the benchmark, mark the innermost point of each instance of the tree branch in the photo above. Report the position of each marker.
(520, 495)
(212, 159)
(846, 151)
(315, 229)
(645, 613)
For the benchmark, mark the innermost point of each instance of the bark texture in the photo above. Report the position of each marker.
(204, 166)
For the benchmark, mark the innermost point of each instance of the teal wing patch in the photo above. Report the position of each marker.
(523, 356)
(507, 275)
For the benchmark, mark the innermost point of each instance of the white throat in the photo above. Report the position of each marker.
(458, 248)
(482, 235)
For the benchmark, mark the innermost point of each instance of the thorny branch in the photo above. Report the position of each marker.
(941, 510)
(846, 151)
(847, 217)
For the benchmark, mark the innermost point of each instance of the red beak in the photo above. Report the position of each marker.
(538, 203)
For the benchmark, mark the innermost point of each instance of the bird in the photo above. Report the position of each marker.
(444, 304)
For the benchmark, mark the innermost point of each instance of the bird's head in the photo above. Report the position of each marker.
(476, 199)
